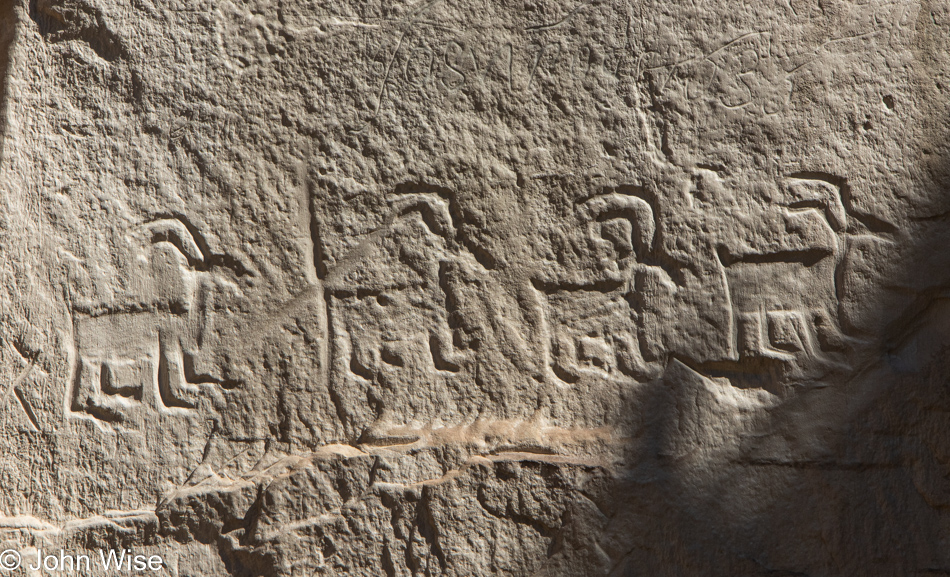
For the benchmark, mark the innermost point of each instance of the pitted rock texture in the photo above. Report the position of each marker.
(477, 288)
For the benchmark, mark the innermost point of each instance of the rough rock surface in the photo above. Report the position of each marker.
(309, 287)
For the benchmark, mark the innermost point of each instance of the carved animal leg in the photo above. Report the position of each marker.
(172, 387)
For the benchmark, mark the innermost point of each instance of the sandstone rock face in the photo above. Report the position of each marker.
(445, 288)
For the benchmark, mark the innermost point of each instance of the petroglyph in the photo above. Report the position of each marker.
(476, 288)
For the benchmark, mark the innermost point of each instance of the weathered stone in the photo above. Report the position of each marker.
(476, 288)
